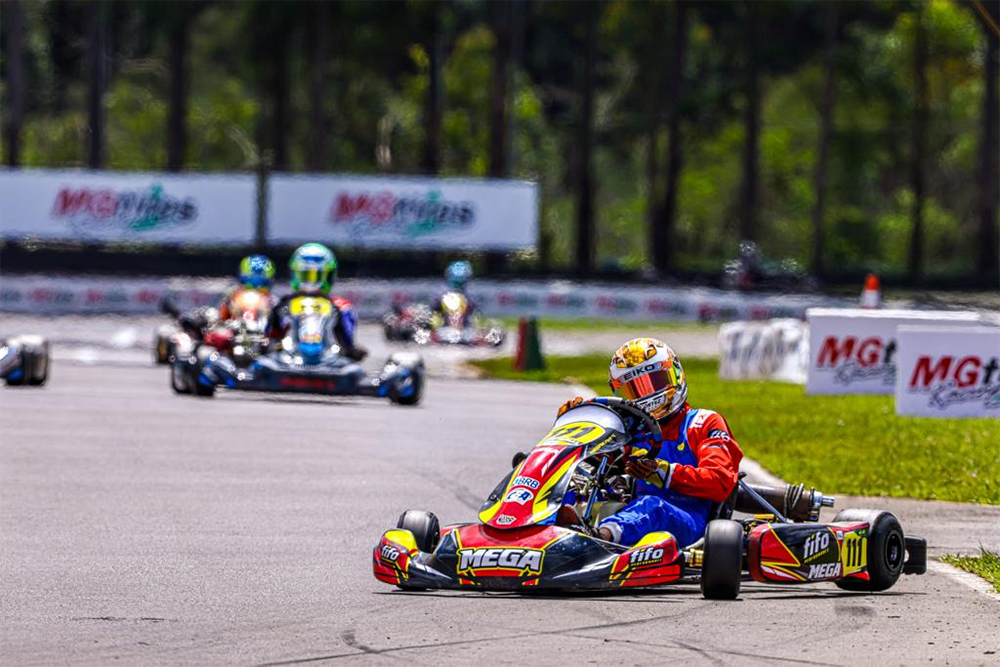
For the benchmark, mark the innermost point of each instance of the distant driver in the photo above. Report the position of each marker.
(698, 464)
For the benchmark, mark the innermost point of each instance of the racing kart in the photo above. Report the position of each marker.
(537, 529)
(453, 325)
(24, 360)
(307, 360)
(242, 337)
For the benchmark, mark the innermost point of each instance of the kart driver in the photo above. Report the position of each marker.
(313, 271)
(457, 275)
(256, 273)
(698, 464)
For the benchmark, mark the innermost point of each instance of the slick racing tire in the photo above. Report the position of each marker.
(34, 352)
(179, 382)
(722, 565)
(204, 390)
(886, 550)
(425, 528)
(412, 388)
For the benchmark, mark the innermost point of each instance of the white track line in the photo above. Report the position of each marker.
(973, 581)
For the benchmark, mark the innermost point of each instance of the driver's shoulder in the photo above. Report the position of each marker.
(701, 419)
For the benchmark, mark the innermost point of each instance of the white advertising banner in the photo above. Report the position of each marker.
(403, 213)
(948, 372)
(853, 351)
(773, 350)
(90, 206)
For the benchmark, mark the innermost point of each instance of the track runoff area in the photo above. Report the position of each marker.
(141, 527)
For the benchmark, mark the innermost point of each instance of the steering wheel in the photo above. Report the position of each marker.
(635, 410)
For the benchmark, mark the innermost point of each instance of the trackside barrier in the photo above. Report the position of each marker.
(948, 372)
(855, 351)
(773, 350)
(373, 298)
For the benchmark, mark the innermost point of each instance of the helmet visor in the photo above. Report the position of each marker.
(645, 384)
(311, 278)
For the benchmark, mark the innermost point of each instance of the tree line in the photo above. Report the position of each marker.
(850, 136)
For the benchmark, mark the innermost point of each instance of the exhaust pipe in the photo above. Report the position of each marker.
(791, 501)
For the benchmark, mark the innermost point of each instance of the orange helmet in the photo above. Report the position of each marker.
(648, 372)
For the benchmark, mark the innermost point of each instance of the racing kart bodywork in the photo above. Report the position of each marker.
(537, 529)
(308, 360)
(452, 325)
(24, 360)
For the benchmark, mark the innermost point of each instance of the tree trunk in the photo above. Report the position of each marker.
(988, 250)
(653, 66)
(13, 24)
(585, 136)
(177, 117)
(318, 56)
(279, 101)
(498, 93)
(434, 103)
(675, 157)
(915, 268)
(825, 129)
(97, 43)
(751, 166)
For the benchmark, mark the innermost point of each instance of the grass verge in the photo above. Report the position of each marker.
(986, 565)
(841, 444)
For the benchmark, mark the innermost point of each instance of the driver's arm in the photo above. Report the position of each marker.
(719, 456)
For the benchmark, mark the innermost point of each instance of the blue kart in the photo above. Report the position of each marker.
(307, 360)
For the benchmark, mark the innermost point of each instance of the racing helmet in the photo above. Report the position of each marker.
(257, 272)
(313, 267)
(458, 274)
(647, 371)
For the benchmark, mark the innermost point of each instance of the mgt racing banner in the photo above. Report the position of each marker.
(946, 372)
(403, 213)
(854, 351)
(90, 206)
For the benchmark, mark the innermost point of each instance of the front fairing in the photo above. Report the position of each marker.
(532, 493)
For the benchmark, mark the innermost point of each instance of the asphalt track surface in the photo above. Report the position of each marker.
(140, 527)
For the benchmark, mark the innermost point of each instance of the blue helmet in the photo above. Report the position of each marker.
(458, 274)
(256, 272)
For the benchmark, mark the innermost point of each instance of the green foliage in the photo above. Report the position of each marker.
(986, 565)
(841, 444)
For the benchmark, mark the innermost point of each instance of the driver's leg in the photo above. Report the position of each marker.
(649, 514)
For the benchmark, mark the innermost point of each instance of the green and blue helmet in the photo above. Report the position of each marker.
(458, 274)
(313, 268)
(257, 272)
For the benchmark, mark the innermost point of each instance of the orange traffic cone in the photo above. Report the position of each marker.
(871, 295)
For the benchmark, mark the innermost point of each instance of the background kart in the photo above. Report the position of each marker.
(242, 337)
(421, 324)
(536, 530)
(308, 360)
(24, 360)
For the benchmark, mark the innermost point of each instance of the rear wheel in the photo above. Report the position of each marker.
(409, 390)
(886, 550)
(722, 566)
(425, 528)
(39, 365)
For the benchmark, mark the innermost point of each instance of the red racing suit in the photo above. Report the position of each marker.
(699, 466)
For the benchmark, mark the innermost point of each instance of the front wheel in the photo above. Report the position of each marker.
(722, 566)
(408, 390)
(886, 551)
(425, 527)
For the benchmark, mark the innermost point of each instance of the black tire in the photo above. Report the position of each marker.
(425, 528)
(39, 366)
(722, 565)
(176, 383)
(204, 390)
(417, 378)
(886, 550)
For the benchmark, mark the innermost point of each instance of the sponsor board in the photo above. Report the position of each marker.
(775, 350)
(948, 372)
(853, 351)
(405, 213)
(95, 206)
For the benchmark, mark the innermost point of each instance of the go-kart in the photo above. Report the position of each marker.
(241, 337)
(24, 360)
(452, 325)
(536, 530)
(307, 360)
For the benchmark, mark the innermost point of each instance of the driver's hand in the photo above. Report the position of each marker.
(654, 471)
(571, 403)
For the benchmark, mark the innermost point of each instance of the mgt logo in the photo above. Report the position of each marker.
(645, 556)
(415, 216)
(523, 562)
(950, 380)
(135, 211)
(856, 359)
